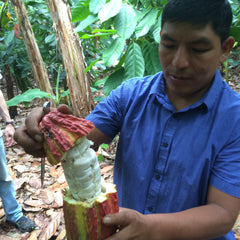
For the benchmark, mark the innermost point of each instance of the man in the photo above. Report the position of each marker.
(178, 157)
(13, 210)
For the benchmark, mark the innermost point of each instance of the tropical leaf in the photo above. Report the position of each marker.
(80, 11)
(141, 14)
(87, 36)
(157, 29)
(114, 51)
(125, 21)
(134, 62)
(28, 96)
(50, 38)
(9, 38)
(146, 23)
(150, 53)
(96, 5)
(113, 81)
(86, 22)
(90, 66)
(146, 3)
(235, 32)
(110, 10)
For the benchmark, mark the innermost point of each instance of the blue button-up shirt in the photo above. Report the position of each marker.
(165, 158)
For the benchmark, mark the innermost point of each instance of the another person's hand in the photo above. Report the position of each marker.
(132, 225)
(9, 132)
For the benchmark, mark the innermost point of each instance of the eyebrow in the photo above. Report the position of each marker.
(166, 37)
(201, 40)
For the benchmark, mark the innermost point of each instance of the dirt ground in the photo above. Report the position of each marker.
(44, 204)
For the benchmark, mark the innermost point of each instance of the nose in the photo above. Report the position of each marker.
(181, 58)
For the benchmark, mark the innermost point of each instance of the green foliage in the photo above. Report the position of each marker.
(13, 51)
(27, 97)
(235, 30)
(100, 156)
(132, 51)
(31, 94)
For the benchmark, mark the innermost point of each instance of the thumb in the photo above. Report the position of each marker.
(32, 122)
(121, 218)
(64, 109)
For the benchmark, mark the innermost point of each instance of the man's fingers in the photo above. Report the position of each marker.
(121, 218)
(32, 122)
(64, 109)
(29, 144)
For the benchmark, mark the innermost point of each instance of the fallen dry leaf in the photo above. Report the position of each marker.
(106, 169)
(35, 183)
(62, 235)
(47, 196)
(51, 228)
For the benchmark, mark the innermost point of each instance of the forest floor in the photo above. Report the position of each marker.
(44, 204)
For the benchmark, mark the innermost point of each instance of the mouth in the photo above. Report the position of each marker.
(174, 77)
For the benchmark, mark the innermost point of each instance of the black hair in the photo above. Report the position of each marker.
(201, 12)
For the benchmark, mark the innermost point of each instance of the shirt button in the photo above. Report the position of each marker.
(157, 177)
(165, 144)
(150, 209)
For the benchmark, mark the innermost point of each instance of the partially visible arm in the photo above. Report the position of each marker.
(9, 130)
(98, 137)
(212, 220)
(3, 108)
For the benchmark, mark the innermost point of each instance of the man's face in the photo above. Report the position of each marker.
(189, 56)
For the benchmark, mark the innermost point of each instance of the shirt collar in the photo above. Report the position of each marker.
(206, 102)
(214, 91)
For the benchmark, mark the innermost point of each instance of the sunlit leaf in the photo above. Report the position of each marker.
(80, 11)
(96, 5)
(125, 21)
(150, 53)
(28, 96)
(86, 22)
(114, 51)
(113, 81)
(146, 23)
(157, 29)
(109, 10)
(134, 63)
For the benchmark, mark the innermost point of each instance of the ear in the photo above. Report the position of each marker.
(226, 48)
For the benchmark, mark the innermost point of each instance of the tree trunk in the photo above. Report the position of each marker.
(73, 58)
(39, 71)
(10, 92)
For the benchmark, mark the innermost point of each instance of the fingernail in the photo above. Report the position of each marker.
(107, 219)
(38, 138)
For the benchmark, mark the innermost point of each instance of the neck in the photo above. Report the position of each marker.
(182, 101)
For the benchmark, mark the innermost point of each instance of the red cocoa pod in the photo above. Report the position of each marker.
(110, 205)
(84, 220)
(61, 131)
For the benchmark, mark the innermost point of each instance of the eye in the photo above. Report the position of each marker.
(200, 50)
(167, 45)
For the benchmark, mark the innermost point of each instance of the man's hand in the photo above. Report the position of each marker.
(132, 225)
(28, 134)
(209, 221)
